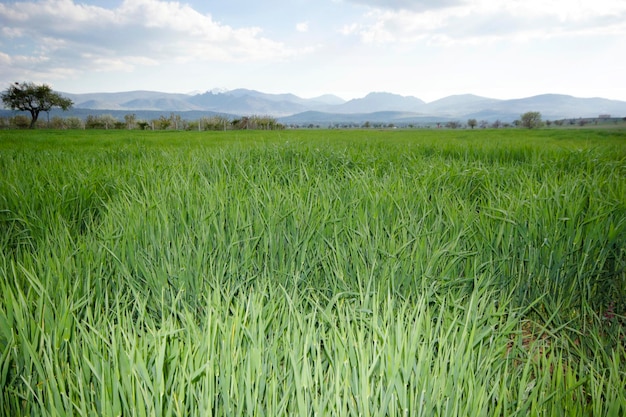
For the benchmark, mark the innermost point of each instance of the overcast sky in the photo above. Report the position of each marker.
(424, 48)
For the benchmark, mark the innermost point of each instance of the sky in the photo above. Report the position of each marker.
(429, 49)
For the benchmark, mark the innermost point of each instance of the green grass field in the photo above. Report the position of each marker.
(300, 273)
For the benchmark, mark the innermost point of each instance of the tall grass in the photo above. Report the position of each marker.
(326, 273)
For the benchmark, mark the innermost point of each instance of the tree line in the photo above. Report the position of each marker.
(35, 99)
(132, 122)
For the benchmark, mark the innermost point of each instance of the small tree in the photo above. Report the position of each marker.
(33, 98)
(531, 119)
(20, 121)
(162, 123)
(74, 122)
(130, 120)
(472, 123)
(176, 120)
(57, 123)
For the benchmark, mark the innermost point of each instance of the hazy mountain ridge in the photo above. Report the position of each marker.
(376, 102)
(462, 103)
(371, 107)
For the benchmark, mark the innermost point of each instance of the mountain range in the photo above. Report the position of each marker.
(374, 107)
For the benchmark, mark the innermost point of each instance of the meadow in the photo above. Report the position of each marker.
(300, 273)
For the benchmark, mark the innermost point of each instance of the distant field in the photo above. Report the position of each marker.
(322, 272)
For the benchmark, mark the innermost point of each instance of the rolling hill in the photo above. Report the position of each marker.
(375, 106)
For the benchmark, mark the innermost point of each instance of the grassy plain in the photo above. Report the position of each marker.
(418, 272)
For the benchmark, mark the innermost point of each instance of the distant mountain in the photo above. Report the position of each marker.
(122, 97)
(329, 108)
(328, 99)
(162, 103)
(97, 105)
(132, 100)
(375, 102)
(460, 104)
(558, 106)
(327, 119)
(250, 102)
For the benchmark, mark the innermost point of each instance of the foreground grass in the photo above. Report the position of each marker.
(299, 273)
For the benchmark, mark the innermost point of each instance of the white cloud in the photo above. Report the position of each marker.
(12, 32)
(479, 21)
(136, 33)
(121, 63)
(350, 29)
(408, 4)
(36, 68)
(405, 46)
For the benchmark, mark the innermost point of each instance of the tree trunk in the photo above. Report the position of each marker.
(34, 115)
